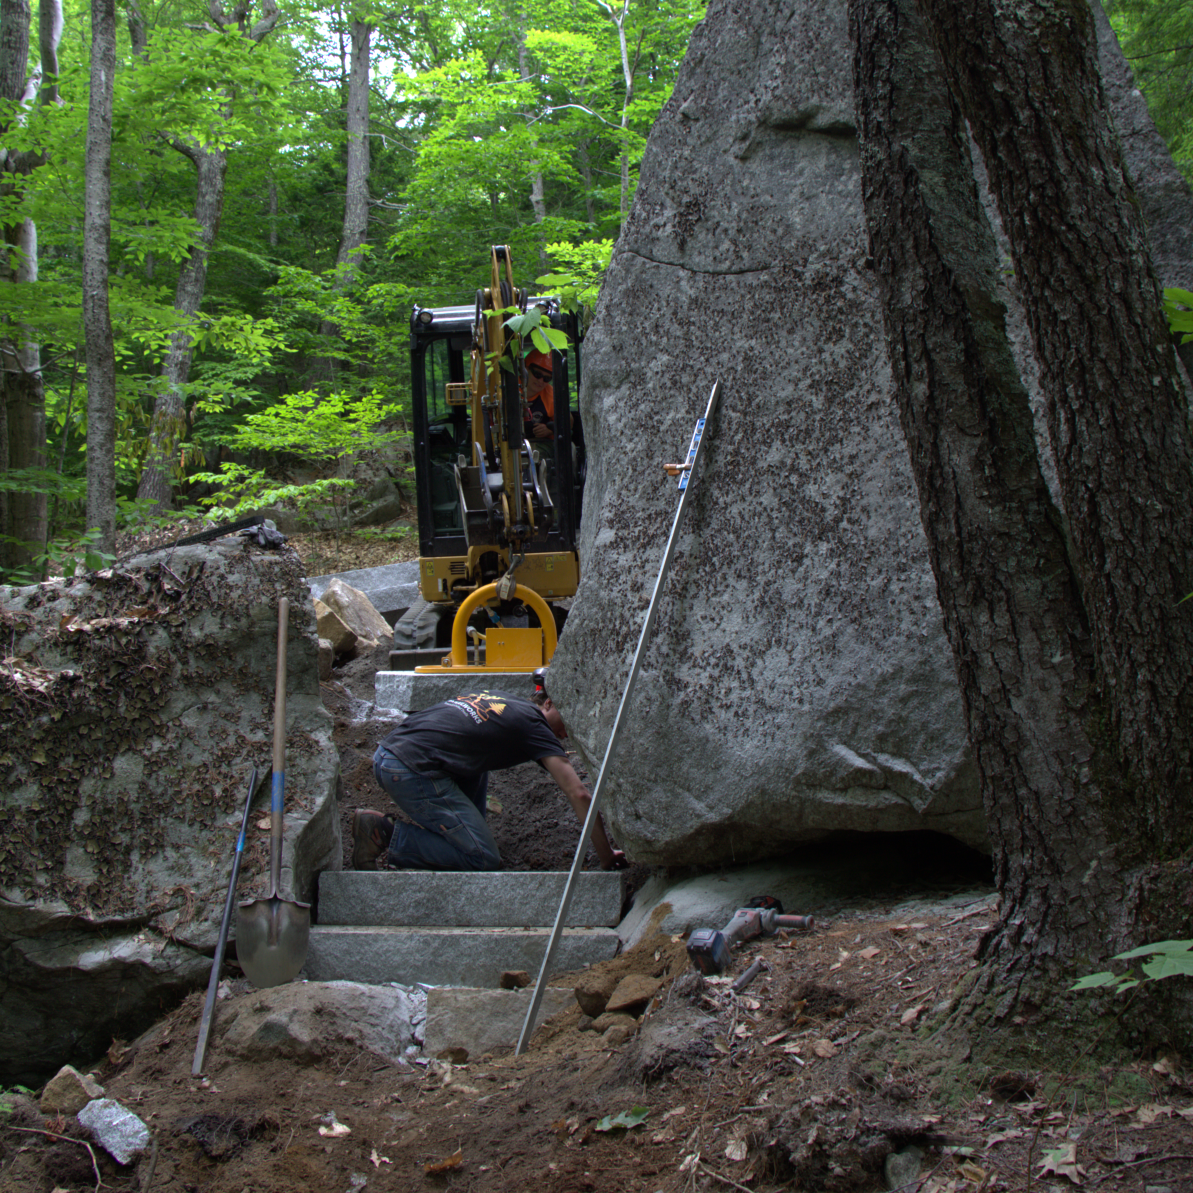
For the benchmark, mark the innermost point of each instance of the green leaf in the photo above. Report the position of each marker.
(1092, 980)
(628, 1119)
(1162, 946)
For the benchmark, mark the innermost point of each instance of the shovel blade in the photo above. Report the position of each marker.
(271, 940)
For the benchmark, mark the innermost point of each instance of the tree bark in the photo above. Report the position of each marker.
(211, 166)
(97, 322)
(1026, 78)
(356, 203)
(538, 196)
(169, 408)
(22, 389)
(1076, 855)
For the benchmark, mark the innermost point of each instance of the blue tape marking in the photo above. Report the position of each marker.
(240, 843)
(279, 785)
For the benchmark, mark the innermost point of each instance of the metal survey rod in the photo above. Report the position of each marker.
(685, 471)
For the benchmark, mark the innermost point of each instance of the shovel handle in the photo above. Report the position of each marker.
(278, 788)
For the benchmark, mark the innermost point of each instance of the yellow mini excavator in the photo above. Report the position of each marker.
(498, 509)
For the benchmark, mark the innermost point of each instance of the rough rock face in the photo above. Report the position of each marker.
(131, 714)
(799, 680)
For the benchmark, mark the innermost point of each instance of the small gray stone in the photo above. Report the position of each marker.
(117, 1130)
(901, 1168)
(327, 656)
(388, 510)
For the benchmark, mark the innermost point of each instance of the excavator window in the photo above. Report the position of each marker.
(447, 433)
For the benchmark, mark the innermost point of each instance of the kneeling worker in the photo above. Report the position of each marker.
(435, 766)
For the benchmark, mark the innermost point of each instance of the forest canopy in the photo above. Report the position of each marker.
(238, 274)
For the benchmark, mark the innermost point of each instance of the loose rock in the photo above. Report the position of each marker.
(68, 1091)
(117, 1130)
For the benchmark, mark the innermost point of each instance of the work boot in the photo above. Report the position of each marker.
(370, 837)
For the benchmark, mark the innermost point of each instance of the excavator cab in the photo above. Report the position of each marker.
(498, 508)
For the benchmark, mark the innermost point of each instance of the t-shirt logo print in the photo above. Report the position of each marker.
(483, 704)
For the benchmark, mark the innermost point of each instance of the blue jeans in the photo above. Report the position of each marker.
(449, 830)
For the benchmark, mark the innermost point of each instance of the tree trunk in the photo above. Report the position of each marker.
(22, 389)
(211, 166)
(1075, 855)
(356, 201)
(538, 197)
(169, 409)
(97, 322)
(1115, 406)
(356, 186)
(619, 19)
(584, 164)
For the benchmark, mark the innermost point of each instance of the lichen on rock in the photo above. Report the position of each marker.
(134, 704)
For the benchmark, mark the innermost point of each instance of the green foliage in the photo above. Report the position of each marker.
(628, 1119)
(60, 556)
(1171, 958)
(491, 125)
(324, 429)
(532, 326)
(1178, 307)
(1157, 38)
(43, 480)
(579, 274)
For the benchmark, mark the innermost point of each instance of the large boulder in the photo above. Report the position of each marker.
(132, 710)
(799, 680)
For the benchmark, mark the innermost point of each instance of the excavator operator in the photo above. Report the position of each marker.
(540, 396)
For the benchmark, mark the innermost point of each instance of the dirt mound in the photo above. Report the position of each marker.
(810, 1078)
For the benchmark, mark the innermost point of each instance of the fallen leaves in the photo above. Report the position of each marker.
(628, 1119)
(1062, 1161)
(912, 1014)
(332, 1128)
(436, 1167)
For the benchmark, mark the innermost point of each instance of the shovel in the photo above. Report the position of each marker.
(272, 934)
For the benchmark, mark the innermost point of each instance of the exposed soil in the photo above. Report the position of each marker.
(809, 1079)
(839, 1054)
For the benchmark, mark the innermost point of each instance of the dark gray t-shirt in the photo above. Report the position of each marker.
(474, 733)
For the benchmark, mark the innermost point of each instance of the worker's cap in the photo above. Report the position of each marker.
(541, 359)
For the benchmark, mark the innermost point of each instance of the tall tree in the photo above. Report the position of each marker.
(356, 190)
(209, 157)
(1072, 653)
(97, 320)
(22, 387)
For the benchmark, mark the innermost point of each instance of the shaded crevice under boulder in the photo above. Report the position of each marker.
(133, 707)
(799, 680)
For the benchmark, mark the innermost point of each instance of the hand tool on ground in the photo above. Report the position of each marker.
(272, 934)
(710, 949)
(695, 453)
(750, 974)
(222, 941)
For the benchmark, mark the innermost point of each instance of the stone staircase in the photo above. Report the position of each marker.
(456, 929)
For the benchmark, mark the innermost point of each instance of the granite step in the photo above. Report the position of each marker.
(479, 899)
(410, 690)
(447, 956)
